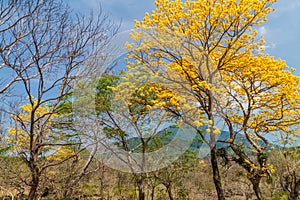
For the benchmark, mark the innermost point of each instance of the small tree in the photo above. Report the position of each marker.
(173, 177)
(286, 163)
(134, 123)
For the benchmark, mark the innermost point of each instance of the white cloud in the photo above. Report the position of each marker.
(269, 46)
(262, 31)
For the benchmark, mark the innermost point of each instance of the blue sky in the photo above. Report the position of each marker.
(281, 32)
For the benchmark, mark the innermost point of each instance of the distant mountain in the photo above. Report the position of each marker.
(167, 135)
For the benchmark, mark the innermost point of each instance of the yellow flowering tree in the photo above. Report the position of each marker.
(262, 100)
(37, 140)
(19, 135)
(209, 55)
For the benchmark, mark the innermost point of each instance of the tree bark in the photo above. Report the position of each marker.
(216, 173)
(294, 194)
(169, 190)
(34, 185)
(152, 193)
(255, 184)
(141, 191)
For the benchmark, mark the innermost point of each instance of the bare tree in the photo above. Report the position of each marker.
(46, 48)
(13, 15)
(286, 163)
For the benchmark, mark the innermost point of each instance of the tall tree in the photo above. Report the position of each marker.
(192, 45)
(51, 45)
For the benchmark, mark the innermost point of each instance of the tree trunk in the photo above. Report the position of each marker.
(34, 185)
(152, 193)
(141, 191)
(216, 173)
(294, 194)
(255, 184)
(32, 192)
(169, 190)
(102, 184)
(68, 192)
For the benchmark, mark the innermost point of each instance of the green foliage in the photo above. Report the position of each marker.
(4, 150)
(128, 193)
(104, 92)
(262, 157)
(280, 195)
(65, 105)
(114, 133)
(223, 154)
